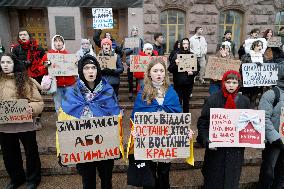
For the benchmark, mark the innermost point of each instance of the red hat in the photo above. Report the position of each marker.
(106, 40)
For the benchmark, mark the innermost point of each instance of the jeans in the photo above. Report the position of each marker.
(57, 97)
(272, 168)
(12, 156)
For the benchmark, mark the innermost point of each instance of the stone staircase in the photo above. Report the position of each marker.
(182, 176)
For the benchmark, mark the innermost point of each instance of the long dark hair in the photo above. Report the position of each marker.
(23, 83)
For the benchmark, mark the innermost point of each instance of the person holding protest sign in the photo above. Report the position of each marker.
(16, 85)
(222, 166)
(227, 37)
(156, 96)
(132, 51)
(254, 56)
(224, 52)
(253, 35)
(91, 97)
(112, 76)
(147, 51)
(31, 54)
(86, 48)
(183, 81)
(62, 82)
(272, 168)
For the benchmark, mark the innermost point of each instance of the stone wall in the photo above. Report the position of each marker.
(205, 13)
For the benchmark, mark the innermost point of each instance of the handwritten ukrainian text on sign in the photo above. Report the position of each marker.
(62, 64)
(264, 75)
(161, 135)
(139, 63)
(102, 18)
(14, 111)
(274, 42)
(187, 62)
(132, 42)
(88, 140)
(107, 61)
(216, 67)
(281, 127)
(237, 128)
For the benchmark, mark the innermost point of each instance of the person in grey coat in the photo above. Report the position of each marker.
(272, 167)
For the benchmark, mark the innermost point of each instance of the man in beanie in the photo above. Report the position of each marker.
(112, 76)
(272, 167)
(227, 37)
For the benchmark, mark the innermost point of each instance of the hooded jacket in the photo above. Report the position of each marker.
(62, 81)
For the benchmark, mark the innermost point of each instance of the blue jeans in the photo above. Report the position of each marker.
(272, 168)
(214, 87)
(57, 97)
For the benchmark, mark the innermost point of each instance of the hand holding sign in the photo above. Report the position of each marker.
(187, 62)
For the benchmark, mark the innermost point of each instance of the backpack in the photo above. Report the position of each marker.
(277, 96)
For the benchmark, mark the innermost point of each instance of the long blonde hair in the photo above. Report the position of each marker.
(150, 92)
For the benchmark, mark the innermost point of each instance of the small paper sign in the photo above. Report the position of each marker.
(187, 62)
(139, 63)
(14, 111)
(216, 67)
(281, 127)
(161, 135)
(88, 140)
(62, 64)
(274, 42)
(107, 61)
(264, 75)
(102, 18)
(237, 128)
(132, 42)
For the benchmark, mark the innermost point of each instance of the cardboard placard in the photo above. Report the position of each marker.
(264, 75)
(132, 42)
(237, 128)
(88, 140)
(139, 63)
(161, 135)
(274, 42)
(187, 62)
(62, 64)
(249, 42)
(281, 126)
(107, 61)
(216, 67)
(102, 18)
(14, 111)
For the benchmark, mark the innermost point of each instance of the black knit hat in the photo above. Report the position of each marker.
(89, 59)
(227, 31)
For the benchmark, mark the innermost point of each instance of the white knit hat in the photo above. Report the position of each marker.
(147, 46)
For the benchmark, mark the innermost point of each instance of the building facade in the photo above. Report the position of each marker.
(178, 18)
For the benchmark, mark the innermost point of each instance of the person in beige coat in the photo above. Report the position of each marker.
(15, 84)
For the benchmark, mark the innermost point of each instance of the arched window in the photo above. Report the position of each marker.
(279, 21)
(231, 20)
(172, 26)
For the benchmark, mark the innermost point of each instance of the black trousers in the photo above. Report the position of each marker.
(130, 80)
(184, 92)
(10, 145)
(88, 173)
(162, 172)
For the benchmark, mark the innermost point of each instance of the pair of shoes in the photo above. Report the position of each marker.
(32, 185)
(12, 185)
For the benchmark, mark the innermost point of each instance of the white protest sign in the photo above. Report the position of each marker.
(139, 63)
(187, 62)
(107, 61)
(88, 140)
(14, 111)
(161, 135)
(216, 67)
(237, 128)
(281, 126)
(249, 42)
(264, 75)
(132, 42)
(102, 18)
(62, 64)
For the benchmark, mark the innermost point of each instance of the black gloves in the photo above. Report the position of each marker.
(278, 143)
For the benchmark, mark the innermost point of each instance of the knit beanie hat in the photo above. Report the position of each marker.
(106, 40)
(147, 46)
(89, 59)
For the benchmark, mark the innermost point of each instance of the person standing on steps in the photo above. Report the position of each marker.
(86, 48)
(158, 44)
(227, 37)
